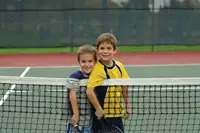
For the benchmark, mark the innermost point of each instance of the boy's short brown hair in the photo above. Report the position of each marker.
(87, 49)
(107, 37)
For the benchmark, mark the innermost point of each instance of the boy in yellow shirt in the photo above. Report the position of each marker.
(107, 100)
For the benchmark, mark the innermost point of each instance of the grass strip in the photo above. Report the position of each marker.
(158, 48)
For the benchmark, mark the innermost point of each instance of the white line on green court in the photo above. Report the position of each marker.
(13, 87)
(136, 65)
(74, 66)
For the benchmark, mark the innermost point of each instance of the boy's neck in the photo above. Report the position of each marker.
(107, 63)
(86, 75)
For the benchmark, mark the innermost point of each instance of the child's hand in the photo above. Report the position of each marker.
(126, 113)
(99, 113)
(75, 119)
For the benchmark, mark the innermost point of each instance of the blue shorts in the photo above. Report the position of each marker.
(70, 129)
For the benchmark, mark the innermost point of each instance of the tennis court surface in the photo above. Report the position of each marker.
(165, 97)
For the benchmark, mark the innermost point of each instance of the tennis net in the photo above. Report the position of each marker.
(158, 105)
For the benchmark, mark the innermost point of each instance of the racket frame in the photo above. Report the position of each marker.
(105, 122)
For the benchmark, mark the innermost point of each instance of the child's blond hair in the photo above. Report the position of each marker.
(87, 49)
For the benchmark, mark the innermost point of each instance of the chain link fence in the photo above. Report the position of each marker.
(50, 23)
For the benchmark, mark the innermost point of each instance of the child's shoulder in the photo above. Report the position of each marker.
(98, 64)
(118, 63)
(98, 67)
(77, 75)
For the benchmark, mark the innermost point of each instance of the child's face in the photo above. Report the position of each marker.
(86, 62)
(106, 52)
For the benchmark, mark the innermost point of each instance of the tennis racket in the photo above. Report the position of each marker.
(108, 127)
(76, 128)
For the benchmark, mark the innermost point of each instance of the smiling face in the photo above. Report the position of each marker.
(86, 62)
(106, 52)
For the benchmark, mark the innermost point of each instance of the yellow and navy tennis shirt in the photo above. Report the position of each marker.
(110, 98)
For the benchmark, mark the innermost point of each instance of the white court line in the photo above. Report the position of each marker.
(73, 66)
(162, 65)
(13, 87)
(136, 65)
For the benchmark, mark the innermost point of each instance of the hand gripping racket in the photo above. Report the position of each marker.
(76, 129)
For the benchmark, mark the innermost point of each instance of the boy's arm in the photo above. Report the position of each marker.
(126, 100)
(93, 99)
(74, 104)
(125, 92)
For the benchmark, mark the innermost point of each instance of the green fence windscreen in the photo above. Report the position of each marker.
(50, 23)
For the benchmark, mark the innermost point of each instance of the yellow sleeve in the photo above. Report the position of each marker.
(124, 72)
(97, 76)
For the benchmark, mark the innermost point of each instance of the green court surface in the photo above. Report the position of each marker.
(46, 100)
(165, 71)
(135, 71)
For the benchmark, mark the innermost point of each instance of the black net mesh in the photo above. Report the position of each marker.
(40, 105)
